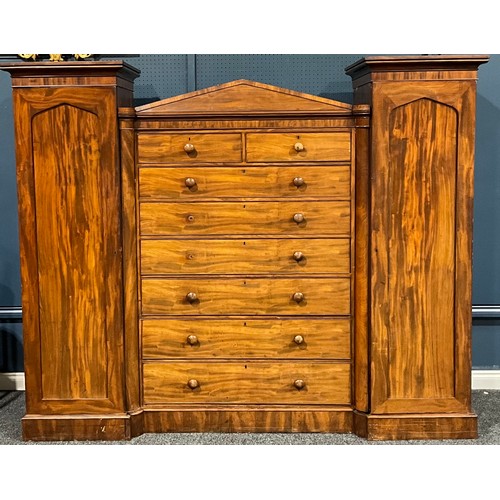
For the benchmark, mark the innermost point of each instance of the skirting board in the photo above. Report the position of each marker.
(481, 379)
(12, 381)
(486, 379)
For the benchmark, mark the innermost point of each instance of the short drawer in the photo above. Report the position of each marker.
(253, 296)
(245, 256)
(277, 147)
(247, 382)
(241, 218)
(189, 148)
(250, 182)
(246, 338)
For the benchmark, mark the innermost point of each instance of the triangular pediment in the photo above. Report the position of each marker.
(243, 97)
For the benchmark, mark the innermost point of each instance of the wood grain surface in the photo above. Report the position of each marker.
(422, 249)
(415, 426)
(169, 148)
(252, 217)
(253, 296)
(248, 182)
(247, 419)
(130, 259)
(246, 338)
(245, 256)
(71, 264)
(247, 382)
(76, 427)
(264, 147)
(71, 258)
(361, 278)
(420, 220)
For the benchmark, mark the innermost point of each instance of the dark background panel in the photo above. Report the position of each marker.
(166, 75)
(486, 267)
(321, 75)
(10, 285)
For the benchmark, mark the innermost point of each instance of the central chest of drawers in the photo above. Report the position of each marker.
(245, 242)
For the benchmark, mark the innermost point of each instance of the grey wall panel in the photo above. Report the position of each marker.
(486, 344)
(11, 352)
(10, 286)
(162, 76)
(486, 267)
(11, 345)
(321, 75)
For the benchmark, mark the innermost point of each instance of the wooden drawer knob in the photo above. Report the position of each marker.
(298, 339)
(189, 148)
(298, 256)
(191, 297)
(192, 339)
(193, 383)
(298, 181)
(299, 384)
(298, 297)
(298, 218)
(298, 147)
(190, 182)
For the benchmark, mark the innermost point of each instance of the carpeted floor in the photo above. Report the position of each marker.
(486, 404)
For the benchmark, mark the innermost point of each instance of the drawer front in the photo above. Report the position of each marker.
(250, 182)
(247, 382)
(237, 296)
(170, 148)
(263, 147)
(246, 338)
(205, 218)
(248, 256)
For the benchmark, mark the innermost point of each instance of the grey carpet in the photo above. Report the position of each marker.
(486, 404)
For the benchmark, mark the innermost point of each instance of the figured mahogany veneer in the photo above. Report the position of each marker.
(164, 184)
(247, 258)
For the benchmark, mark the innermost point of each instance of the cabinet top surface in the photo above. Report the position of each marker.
(70, 68)
(417, 63)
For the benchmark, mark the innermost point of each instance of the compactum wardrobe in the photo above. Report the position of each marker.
(247, 258)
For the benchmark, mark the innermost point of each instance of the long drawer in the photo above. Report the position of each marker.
(175, 148)
(287, 147)
(247, 382)
(250, 182)
(245, 256)
(274, 217)
(327, 338)
(248, 296)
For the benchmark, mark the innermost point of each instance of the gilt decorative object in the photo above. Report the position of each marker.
(55, 57)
